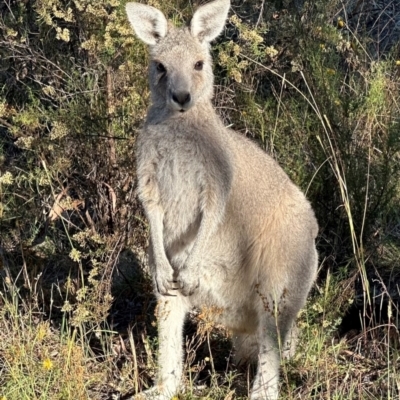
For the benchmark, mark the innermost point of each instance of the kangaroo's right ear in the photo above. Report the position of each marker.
(148, 23)
(209, 20)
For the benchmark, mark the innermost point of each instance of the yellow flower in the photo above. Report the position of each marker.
(6, 179)
(340, 23)
(62, 34)
(398, 62)
(75, 255)
(271, 51)
(47, 364)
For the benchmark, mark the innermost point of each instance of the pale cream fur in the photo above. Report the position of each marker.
(228, 228)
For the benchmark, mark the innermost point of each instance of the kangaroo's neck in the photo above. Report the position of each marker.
(160, 114)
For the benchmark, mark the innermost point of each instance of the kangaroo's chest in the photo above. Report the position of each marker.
(179, 168)
(180, 177)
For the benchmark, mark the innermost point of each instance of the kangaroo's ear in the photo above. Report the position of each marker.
(209, 20)
(149, 24)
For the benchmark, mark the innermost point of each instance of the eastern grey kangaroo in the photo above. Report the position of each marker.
(228, 229)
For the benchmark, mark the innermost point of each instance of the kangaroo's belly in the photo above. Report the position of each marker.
(222, 305)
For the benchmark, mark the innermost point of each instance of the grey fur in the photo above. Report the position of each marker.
(228, 228)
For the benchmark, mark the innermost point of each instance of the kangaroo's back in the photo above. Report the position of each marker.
(228, 228)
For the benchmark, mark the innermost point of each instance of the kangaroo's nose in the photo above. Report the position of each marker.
(181, 98)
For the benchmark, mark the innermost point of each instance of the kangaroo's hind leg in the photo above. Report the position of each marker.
(265, 384)
(171, 314)
(275, 330)
(275, 324)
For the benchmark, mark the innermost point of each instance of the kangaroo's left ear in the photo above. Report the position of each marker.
(148, 22)
(209, 20)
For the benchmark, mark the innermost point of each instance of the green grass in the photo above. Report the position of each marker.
(42, 361)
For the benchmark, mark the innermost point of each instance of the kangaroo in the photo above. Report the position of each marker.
(228, 229)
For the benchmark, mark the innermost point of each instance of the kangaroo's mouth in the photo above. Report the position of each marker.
(179, 108)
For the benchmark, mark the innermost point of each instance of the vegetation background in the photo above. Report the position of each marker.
(316, 83)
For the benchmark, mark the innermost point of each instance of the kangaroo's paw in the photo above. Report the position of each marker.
(153, 393)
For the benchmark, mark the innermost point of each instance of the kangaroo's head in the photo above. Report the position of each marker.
(181, 68)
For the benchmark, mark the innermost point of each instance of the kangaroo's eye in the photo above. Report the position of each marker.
(160, 67)
(199, 65)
